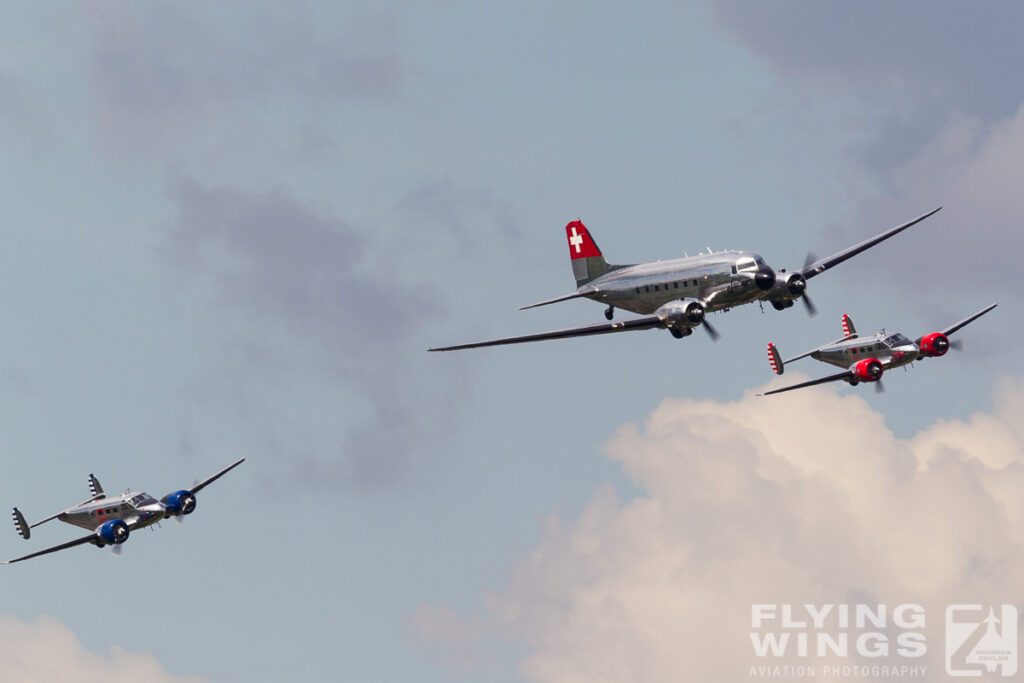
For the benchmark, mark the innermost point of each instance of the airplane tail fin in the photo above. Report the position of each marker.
(587, 261)
(775, 360)
(20, 525)
(94, 487)
(848, 329)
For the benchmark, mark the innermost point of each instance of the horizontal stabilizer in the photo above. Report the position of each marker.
(574, 295)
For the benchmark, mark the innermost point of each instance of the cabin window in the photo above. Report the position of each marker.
(647, 289)
(734, 270)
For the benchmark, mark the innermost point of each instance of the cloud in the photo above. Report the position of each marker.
(911, 68)
(164, 74)
(311, 286)
(806, 499)
(438, 629)
(887, 52)
(972, 246)
(49, 651)
(469, 216)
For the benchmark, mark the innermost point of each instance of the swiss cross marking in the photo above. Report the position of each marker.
(576, 240)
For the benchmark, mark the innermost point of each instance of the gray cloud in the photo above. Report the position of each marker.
(918, 62)
(162, 73)
(469, 216)
(313, 281)
(968, 254)
(937, 54)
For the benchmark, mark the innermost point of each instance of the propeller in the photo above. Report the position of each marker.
(117, 549)
(812, 310)
(879, 387)
(957, 344)
(712, 332)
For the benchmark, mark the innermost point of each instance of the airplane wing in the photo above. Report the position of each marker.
(62, 546)
(821, 380)
(969, 319)
(821, 265)
(646, 322)
(214, 477)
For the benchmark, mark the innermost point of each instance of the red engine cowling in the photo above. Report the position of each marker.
(868, 370)
(935, 344)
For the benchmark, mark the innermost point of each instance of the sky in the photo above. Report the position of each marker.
(233, 230)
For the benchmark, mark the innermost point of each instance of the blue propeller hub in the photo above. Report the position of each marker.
(114, 532)
(181, 502)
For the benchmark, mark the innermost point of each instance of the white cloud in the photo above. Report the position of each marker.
(47, 650)
(806, 497)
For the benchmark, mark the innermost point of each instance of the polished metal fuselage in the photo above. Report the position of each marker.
(846, 353)
(94, 514)
(715, 279)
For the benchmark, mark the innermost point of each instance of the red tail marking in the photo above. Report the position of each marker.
(581, 245)
(846, 325)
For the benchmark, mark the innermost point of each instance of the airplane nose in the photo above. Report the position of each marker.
(765, 278)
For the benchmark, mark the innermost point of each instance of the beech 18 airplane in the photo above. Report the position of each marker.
(110, 518)
(676, 294)
(865, 359)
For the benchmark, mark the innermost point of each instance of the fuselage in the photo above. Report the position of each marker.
(135, 509)
(893, 350)
(721, 280)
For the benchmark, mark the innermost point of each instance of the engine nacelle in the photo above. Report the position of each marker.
(934, 344)
(113, 532)
(681, 314)
(180, 503)
(868, 370)
(788, 287)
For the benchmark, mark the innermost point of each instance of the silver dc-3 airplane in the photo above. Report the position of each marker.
(676, 294)
(111, 518)
(865, 359)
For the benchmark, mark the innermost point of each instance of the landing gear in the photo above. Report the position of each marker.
(679, 334)
(609, 312)
(781, 305)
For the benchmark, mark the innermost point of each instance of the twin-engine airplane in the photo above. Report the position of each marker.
(676, 294)
(111, 518)
(866, 358)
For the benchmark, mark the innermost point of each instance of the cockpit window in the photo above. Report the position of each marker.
(141, 499)
(747, 264)
(896, 340)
